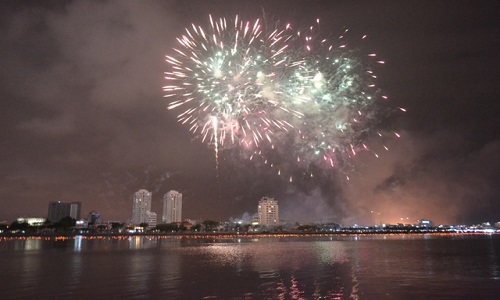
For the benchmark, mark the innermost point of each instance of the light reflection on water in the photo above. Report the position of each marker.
(282, 270)
(361, 267)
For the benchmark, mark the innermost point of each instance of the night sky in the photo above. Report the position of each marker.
(83, 117)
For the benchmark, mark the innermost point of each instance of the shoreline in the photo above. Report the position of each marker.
(237, 235)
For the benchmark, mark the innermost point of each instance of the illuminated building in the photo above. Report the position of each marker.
(268, 212)
(172, 207)
(81, 224)
(140, 205)
(32, 221)
(425, 223)
(59, 210)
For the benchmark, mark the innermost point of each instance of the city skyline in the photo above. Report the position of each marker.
(266, 216)
(84, 118)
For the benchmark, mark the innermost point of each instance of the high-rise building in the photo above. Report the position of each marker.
(268, 212)
(93, 218)
(172, 207)
(140, 205)
(151, 218)
(59, 210)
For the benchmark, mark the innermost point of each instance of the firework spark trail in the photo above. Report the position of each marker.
(297, 94)
(216, 145)
(232, 74)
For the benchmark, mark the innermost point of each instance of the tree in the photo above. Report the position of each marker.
(210, 225)
(102, 227)
(67, 222)
(196, 227)
(307, 228)
(170, 227)
(21, 226)
(116, 225)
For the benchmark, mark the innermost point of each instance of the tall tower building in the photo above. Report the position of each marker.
(172, 207)
(151, 219)
(59, 210)
(141, 205)
(268, 212)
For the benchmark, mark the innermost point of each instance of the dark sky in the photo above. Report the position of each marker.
(83, 118)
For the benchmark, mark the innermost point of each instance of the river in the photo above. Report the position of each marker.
(274, 267)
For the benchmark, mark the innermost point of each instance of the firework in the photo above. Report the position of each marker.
(338, 85)
(283, 95)
(226, 80)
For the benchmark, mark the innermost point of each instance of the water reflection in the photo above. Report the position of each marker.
(170, 268)
(138, 277)
(286, 270)
(78, 243)
(393, 267)
(331, 252)
(27, 244)
(494, 262)
(150, 272)
(29, 271)
(227, 254)
(74, 271)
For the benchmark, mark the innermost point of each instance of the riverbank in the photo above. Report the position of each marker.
(219, 235)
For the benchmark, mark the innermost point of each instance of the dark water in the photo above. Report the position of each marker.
(390, 267)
